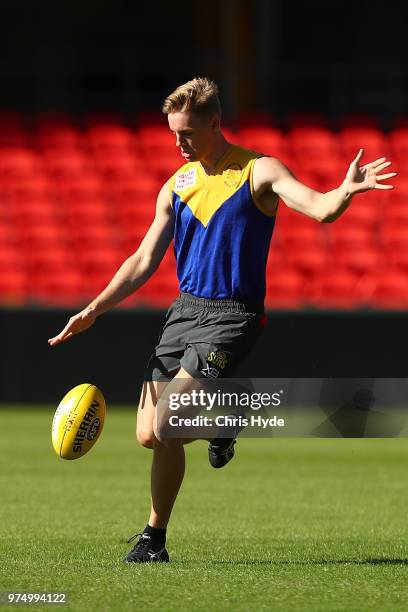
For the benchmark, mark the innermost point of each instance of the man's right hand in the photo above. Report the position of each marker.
(77, 324)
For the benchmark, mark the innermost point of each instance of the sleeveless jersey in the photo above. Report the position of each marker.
(221, 237)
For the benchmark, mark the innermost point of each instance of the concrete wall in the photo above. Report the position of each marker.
(114, 352)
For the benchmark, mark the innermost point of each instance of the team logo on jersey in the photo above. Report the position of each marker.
(232, 175)
(186, 179)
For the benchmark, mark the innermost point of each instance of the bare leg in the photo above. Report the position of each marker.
(168, 468)
(168, 463)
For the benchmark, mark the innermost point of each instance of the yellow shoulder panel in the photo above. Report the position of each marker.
(205, 194)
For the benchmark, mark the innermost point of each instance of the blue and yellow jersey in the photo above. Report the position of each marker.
(221, 237)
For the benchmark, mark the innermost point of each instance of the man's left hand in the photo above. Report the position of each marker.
(362, 178)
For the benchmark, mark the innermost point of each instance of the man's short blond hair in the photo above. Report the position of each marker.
(198, 96)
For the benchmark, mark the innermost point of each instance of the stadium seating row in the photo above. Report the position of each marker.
(76, 201)
(288, 287)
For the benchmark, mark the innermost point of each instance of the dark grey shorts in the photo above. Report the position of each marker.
(208, 338)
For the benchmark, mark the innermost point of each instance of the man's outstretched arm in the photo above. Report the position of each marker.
(132, 274)
(273, 176)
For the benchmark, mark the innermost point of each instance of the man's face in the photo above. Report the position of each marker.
(194, 134)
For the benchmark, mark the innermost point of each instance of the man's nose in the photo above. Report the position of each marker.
(179, 140)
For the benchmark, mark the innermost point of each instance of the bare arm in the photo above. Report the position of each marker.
(270, 175)
(132, 274)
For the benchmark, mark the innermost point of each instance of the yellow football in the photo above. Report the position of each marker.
(78, 421)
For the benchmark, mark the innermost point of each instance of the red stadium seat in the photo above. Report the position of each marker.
(156, 140)
(55, 289)
(391, 291)
(135, 188)
(300, 236)
(13, 287)
(397, 259)
(19, 163)
(110, 139)
(399, 142)
(284, 288)
(79, 202)
(166, 165)
(93, 211)
(396, 213)
(120, 168)
(326, 170)
(268, 140)
(8, 237)
(346, 235)
(310, 261)
(102, 260)
(132, 236)
(36, 236)
(37, 211)
(33, 189)
(67, 165)
(97, 235)
(313, 143)
(97, 281)
(131, 214)
(359, 260)
(159, 291)
(365, 213)
(396, 237)
(58, 137)
(340, 289)
(168, 263)
(82, 189)
(231, 135)
(50, 259)
(10, 257)
(374, 143)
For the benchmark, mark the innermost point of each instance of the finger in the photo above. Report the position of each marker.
(377, 162)
(381, 166)
(382, 177)
(358, 156)
(64, 335)
(55, 341)
(380, 186)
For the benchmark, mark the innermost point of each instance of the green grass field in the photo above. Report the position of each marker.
(290, 524)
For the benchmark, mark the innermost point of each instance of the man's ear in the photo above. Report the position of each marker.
(215, 123)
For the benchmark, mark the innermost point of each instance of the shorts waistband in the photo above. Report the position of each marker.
(223, 304)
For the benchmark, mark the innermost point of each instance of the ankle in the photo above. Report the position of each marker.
(157, 534)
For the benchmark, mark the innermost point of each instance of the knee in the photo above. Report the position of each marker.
(145, 438)
(162, 439)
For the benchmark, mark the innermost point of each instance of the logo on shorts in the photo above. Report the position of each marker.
(216, 361)
(186, 179)
(210, 372)
(218, 358)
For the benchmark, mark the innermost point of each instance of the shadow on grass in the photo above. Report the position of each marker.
(373, 561)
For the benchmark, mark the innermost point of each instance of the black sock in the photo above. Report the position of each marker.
(158, 535)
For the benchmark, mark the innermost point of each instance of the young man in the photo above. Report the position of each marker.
(220, 209)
